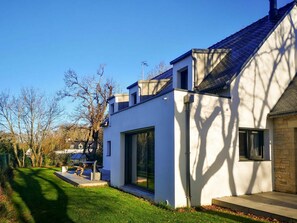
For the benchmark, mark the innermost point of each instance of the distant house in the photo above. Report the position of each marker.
(221, 122)
(76, 146)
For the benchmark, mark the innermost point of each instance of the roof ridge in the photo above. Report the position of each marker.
(250, 25)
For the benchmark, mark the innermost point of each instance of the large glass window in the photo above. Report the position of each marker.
(140, 159)
(251, 144)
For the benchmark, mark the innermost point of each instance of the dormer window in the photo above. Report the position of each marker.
(183, 79)
(111, 107)
(134, 98)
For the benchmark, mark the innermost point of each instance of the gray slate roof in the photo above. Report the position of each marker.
(287, 104)
(243, 44)
(165, 75)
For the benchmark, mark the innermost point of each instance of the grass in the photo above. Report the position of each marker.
(37, 195)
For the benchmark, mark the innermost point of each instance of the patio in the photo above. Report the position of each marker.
(85, 179)
(276, 205)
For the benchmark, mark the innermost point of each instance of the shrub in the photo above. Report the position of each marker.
(5, 175)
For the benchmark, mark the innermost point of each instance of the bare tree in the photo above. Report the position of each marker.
(91, 92)
(9, 122)
(28, 119)
(38, 117)
(158, 69)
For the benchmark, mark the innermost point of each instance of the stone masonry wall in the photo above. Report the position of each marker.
(285, 154)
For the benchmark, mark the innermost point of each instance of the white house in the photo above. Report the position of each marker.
(202, 129)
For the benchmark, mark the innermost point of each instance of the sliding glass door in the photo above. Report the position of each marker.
(140, 159)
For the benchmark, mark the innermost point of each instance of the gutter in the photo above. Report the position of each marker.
(195, 76)
(282, 114)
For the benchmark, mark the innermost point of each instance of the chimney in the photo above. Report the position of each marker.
(272, 9)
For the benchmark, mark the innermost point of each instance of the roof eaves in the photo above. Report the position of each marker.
(169, 72)
(181, 57)
(132, 85)
(281, 114)
(111, 97)
(213, 89)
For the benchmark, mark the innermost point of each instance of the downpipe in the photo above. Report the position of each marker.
(188, 100)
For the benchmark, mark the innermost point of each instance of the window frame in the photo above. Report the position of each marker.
(135, 143)
(108, 150)
(247, 148)
(134, 98)
(112, 108)
(183, 79)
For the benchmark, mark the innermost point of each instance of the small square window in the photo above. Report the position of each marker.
(108, 151)
(251, 144)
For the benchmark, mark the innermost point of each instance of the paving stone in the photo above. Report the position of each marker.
(281, 206)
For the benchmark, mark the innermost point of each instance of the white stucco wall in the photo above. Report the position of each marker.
(256, 91)
(267, 75)
(215, 167)
(157, 113)
(214, 154)
(211, 137)
(260, 86)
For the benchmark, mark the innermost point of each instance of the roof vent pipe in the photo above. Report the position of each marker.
(273, 9)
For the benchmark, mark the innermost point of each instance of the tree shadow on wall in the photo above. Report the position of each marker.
(255, 95)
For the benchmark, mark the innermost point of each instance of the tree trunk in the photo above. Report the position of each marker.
(95, 138)
(33, 159)
(23, 157)
(15, 151)
(40, 161)
(40, 157)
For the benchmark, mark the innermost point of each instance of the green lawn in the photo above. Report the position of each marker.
(39, 196)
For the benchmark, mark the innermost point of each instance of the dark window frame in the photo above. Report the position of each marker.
(149, 152)
(251, 144)
(183, 79)
(108, 150)
(134, 98)
(112, 108)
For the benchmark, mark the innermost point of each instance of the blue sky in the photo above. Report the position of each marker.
(41, 39)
